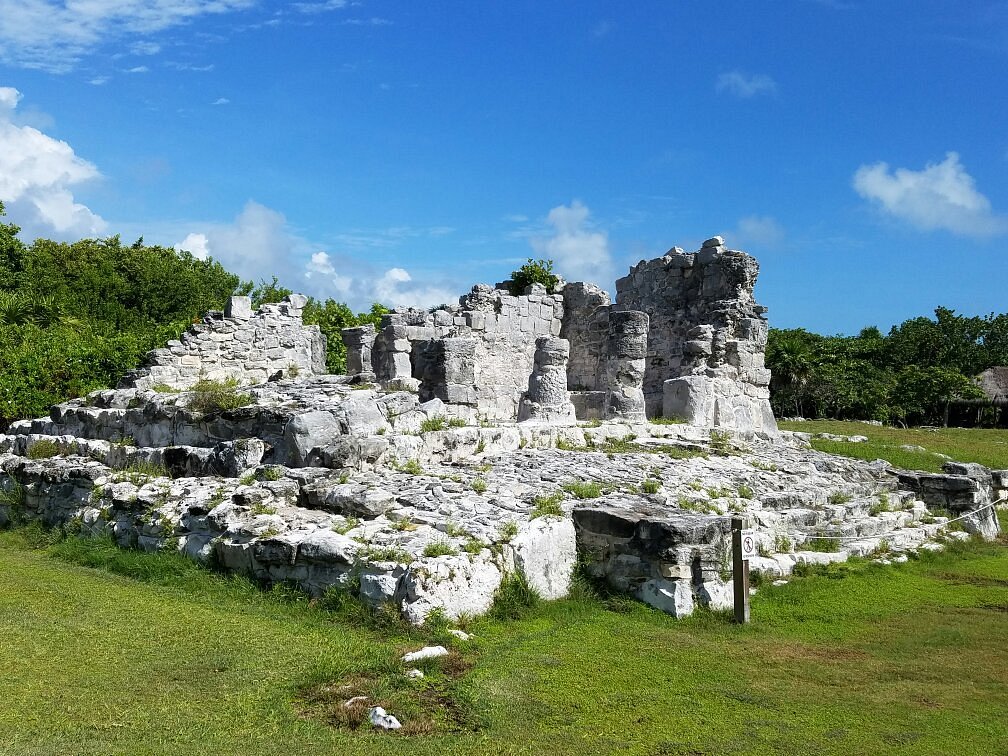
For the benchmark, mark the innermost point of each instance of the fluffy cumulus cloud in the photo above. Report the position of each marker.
(758, 230)
(53, 36)
(939, 196)
(259, 243)
(745, 85)
(579, 251)
(37, 176)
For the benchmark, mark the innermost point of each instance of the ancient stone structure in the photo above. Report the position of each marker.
(424, 492)
(707, 337)
(239, 343)
(547, 399)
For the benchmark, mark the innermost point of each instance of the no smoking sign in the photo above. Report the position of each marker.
(748, 544)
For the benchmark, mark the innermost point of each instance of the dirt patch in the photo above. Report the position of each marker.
(957, 578)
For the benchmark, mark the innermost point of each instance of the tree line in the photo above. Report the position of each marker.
(909, 376)
(75, 317)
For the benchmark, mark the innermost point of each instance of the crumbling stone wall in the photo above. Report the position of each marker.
(502, 330)
(251, 346)
(707, 337)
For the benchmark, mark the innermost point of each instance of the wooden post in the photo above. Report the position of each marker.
(740, 572)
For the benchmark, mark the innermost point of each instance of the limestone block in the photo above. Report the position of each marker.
(670, 596)
(454, 583)
(304, 432)
(545, 554)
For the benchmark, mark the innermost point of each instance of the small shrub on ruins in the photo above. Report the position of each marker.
(164, 388)
(436, 423)
(884, 547)
(262, 509)
(273, 472)
(439, 548)
(124, 441)
(381, 431)
(139, 472)
(454, 530)
(694, 505)
(271, 531)
(839, 497)
(247, 479)
(388, 554)
(209, 396)
(361, 386)
(549, 506)
(13, 499)
(403, 524)
(745, 492)
(479, 485)
(293, 371)
(721, 443)
(593, 423)
(667, 420)
(782, 544)
(765, 467)
(43, 449)
(534, 271)
(822, 543)
(485, 467)
(473, 545)
(650, 486)
(583, 489)
(695, 485)
(514, 599)
(346, 526)
(564, 444)
(508, 530)
(480, 447)
(412, 466)
(344, 477)
(878, 508)
(456, 422)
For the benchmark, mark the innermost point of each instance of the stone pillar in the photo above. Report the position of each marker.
(547, 399)
(359, 341)
(626, 351)
(239, 308)
(448, 371)
(391, 359)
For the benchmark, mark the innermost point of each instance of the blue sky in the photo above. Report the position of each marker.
(403, 151)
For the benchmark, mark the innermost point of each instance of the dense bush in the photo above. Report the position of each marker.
(908, 376)
(534, 271)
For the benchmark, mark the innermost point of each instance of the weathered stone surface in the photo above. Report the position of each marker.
(547, 399)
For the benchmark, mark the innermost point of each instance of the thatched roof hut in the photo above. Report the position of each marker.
(994, 383)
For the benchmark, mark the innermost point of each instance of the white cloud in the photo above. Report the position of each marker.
(580, 253)
(37, 173)
(373, 21)
(940, 196)
(221, 101)
(197, 244)
(745, 85)
(761, 230)
(145, 48)
(99, 80)
(138, 69)
(396, 287)
(320, 7)
(53, 36)
(321, 269)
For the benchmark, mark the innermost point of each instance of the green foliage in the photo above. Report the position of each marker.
(508, 530)
(822, 543)
(479, 485)
(331, 317)
(908, 376)
(650, 486)
(745, 492)
(439, 548)
(839, 497)
(435, 423)
(209, 396)
(548, 506)
(534, 271)
(514, 599)
(583, 489)
(43, 449)
(412, 466)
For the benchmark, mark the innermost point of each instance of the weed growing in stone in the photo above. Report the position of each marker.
(456, 422)
(43, 449)
(164, 388)
(721, 443)
(822, 543)
(549, 506)
(583, 489)
(745, 492)
(388, 554)
(667, 421)
(479, 485)
(508, 530)
(436, 423)
(209, 396)
(346, 526)
(839, 497)
(262, 509)
(412, 466)
(764, 466)
(439, 548)
(650, 486)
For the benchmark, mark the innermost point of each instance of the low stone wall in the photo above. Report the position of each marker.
(250, 346)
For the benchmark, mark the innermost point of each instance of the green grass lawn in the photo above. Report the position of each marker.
(987, 446)
(151, 654)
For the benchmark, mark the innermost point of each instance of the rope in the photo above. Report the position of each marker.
(891, 532)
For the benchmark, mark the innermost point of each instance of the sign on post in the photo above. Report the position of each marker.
(742, 542)
(748, 544)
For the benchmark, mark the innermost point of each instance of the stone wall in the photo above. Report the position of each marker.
(707, 337)
(500, 331)
(251, 346)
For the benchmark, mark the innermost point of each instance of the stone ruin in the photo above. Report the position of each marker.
(684, 339)
(510, 435)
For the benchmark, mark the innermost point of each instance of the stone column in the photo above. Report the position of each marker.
(547, 399)
(359, 342)
(626, 351)
(449, 371)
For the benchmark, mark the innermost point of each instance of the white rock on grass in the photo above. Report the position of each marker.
(383, 720)
(427, 652)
